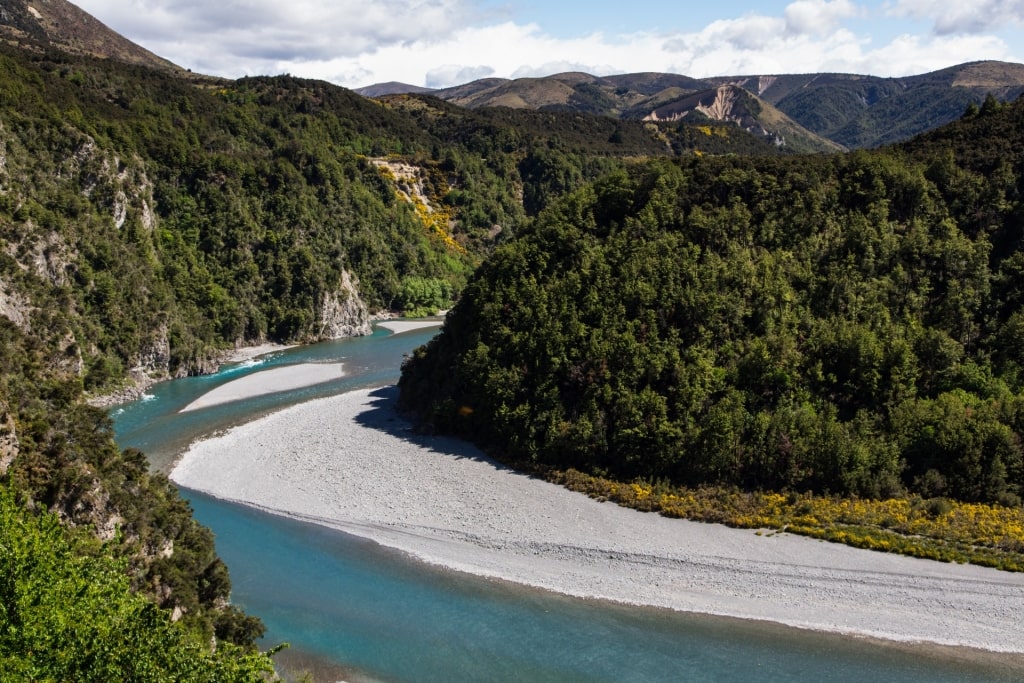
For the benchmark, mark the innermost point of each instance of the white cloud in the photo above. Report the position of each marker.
(950, 17)
(241, 34)
(535, 54)
(753, 32)
(916, 55)
(440, 43)
(817, 17)
(448, 74)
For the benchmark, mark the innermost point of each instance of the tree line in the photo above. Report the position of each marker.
(847, 324)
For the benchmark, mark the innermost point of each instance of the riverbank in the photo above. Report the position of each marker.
(138, 381)
(352, 463)
(399, 325)
(287, 377)
(270, 381)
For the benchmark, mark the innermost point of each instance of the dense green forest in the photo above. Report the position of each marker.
(166, 218)
(68, 615)
(149, 221)
(194, 220)
(57, 457)
(651, 310)
(847, 324)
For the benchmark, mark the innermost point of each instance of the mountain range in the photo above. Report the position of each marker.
(847, 110)
(815, 112)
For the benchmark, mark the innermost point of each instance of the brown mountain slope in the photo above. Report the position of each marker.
(521, 93)
(44, 24)
(737, 105)
(867, 111)
(393, 88)
(852, 110)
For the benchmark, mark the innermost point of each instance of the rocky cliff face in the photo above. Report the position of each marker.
(152, 365)
(14, 306)
(343, 312)
(8, 439)
(721, 107)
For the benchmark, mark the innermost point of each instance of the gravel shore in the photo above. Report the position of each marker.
(352, 463)
(268, 382)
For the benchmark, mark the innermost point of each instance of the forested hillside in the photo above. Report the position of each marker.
(150, 221)
(69, 614)
(166, 221)
(848, 324)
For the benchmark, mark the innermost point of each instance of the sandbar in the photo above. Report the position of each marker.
(399, 326)
(244, 353)
(284, 378)
(352, 463)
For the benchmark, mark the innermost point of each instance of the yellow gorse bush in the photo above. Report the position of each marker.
(939, 529)
(437, 219)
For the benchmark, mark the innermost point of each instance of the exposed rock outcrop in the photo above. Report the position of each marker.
(408, 180)
(721, 107)
(152, 365)
(343, 313)
(122, 185)
(14, 307)
(92, 508)
(154, 359)
(8, 439)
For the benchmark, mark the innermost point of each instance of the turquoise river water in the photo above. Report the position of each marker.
(353, 610)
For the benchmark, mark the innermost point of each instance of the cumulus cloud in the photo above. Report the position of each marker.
(240, 34)
(349, 25)
(535, 53)
(450, 74)
(440, 43)
(916, 54)
(817, 17)
(752, 32)
(963, 17)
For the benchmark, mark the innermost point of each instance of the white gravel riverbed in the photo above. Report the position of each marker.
(352, 463)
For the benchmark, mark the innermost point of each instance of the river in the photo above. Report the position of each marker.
(352, 610)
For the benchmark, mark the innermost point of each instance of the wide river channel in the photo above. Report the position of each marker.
(352, 610)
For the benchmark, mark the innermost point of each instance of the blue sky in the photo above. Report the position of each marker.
(438, 43)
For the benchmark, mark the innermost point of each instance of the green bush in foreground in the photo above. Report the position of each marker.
(66, 615)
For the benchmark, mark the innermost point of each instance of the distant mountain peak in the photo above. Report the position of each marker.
(801, 112)
(735, 104)
(59, 24)
(392, 88)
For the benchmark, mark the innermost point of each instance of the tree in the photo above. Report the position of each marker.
(67, 614)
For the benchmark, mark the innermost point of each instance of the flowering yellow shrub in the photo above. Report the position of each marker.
(938, 529)
(436, 219)
(640, 491)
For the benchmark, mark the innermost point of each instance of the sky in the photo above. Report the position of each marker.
(440, 43)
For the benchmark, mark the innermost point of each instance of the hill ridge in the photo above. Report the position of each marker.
(62, 25)
(851, 110)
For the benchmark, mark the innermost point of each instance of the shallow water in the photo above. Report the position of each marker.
(155, 425)
(346, 604)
